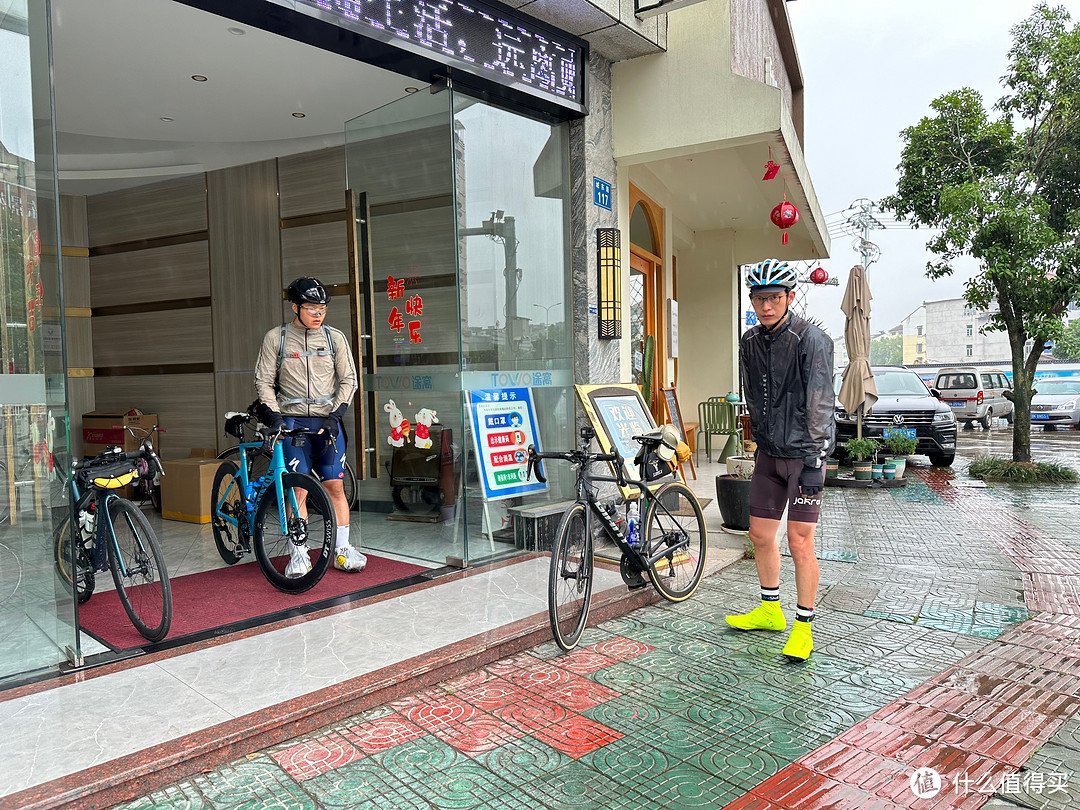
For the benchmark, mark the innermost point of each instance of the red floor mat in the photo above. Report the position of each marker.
(226, 595)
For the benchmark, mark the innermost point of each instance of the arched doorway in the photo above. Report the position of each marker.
(646, 296)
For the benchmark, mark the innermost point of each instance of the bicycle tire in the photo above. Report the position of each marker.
(231, 541)
(273, 549)
(348, 482)
(83, 568)
(570, 579)
(143, 582)
(674, 513)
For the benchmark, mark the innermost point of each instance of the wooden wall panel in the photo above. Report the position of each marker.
(80, 346)
(184, 404)
(245, 261)
(312, 182)
(80, 401)
(76, 281)
(73, 231)
(172, 336)
(147, 212)
(156, 274)
(234, 391)
(315, 250)
(406, 166)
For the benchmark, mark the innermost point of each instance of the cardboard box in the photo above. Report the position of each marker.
(187, 488)
(105, 429)
(204, 452)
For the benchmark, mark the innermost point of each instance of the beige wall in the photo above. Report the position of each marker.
(708, 331)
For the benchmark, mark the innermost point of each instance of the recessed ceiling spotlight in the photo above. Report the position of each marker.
(199, 78)
(166, 119)
(236, 32)
(412, 89)
(299, 115)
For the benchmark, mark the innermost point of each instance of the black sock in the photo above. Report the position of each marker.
(804, 614)
(770, 594)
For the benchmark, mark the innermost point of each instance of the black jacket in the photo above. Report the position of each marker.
(787, 379)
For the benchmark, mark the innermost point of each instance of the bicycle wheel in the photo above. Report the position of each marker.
(570, 581)
(138, 569)
(675, 530)
(227, 500)
(84, 570)
(313, 527)
(349, 483)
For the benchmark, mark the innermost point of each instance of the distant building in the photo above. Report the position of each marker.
(913, 328)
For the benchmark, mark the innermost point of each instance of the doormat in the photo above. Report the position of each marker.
(226, 596)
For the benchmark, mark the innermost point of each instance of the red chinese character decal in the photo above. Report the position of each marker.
(395, 289)
(414, 332)
(415, 305)
(396, 321)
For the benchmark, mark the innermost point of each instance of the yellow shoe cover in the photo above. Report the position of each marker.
(768, 616)
(800, 643)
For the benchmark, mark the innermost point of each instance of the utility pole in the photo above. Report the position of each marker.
(863, 219)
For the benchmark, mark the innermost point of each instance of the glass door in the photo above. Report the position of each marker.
(399, 172)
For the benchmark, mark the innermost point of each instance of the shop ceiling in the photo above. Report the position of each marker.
(122, 66)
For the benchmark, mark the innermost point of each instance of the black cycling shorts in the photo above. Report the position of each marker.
(775, 486)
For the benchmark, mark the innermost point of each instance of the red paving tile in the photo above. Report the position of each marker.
(315, 757)
(580, 694)
(577, 736)
(374, 736)
(494, 694)
(439, 713)
(541, 677)
(749, 801)
(621, 649)
(584, 661)
(479, 734)
(532, 714)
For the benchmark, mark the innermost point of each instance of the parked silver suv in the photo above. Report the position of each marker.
(975, 394)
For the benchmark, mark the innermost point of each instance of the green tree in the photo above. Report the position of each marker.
(887, 351)
(1007, 193)
(1067, 346)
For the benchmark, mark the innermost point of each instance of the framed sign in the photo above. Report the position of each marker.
(618, 413)
(503, 427)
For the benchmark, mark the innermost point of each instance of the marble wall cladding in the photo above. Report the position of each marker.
(591, 155)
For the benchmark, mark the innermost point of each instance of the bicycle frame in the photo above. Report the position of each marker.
(101, 517)
(251, 490)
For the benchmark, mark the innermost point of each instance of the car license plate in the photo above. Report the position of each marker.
(907, 433)
(957, 403)
(1037, 416)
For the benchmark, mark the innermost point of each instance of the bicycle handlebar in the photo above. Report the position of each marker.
(146, 448)
(575, 457)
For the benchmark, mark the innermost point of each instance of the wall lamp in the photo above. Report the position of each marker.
(609, 283)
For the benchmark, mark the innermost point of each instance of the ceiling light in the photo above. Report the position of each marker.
(199, 78)
(236, 32)
(412, 89)
(166, 119)
(299, 115)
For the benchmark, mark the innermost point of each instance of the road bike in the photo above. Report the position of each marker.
(672, 539)
(111, 532)
(259, 462)
(274, 513)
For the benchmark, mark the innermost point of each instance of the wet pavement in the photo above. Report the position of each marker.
(946, 665)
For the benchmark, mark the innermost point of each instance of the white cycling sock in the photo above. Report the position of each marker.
(342, 537)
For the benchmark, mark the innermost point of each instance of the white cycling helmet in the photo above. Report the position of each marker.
(771, 273)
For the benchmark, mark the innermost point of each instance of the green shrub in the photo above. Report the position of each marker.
(901, 445)
(990, 468)
(862, 449)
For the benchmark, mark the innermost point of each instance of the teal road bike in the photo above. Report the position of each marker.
(274, 513)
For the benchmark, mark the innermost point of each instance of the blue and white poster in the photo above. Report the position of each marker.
(503, 427)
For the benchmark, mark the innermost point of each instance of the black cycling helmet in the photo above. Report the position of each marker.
(307, 290)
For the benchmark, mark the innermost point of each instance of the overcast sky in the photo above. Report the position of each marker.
(871, 68)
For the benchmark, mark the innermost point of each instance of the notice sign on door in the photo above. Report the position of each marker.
(503, 427)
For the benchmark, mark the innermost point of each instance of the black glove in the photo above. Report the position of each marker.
(332, 423)
(811, 480)
(269, 417)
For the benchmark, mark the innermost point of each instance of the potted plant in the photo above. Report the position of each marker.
(862, 452)
(901, 447)
(832, 467)
(740, 466)
(733, 496)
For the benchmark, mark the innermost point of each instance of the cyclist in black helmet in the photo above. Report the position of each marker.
(305, 378)
(786, 364)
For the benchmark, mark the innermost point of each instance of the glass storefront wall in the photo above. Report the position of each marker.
(37, 622)
(462, 236)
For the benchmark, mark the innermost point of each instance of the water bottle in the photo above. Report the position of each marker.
(632, 538)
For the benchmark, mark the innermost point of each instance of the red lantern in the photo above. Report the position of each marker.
(784, 216)
(818, 275)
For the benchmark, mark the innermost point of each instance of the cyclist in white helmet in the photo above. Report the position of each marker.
(786, 366)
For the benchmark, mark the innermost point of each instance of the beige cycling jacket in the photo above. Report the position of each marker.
(312, 382)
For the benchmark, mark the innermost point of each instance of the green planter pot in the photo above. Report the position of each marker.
(901, 464)
(863, 470)
(875, 471)
(832, 468)
(888, 471)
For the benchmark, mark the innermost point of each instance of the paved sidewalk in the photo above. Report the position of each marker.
(947, 638)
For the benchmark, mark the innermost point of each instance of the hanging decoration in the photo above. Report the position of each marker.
(770, 168)
(819, 275)
(784, 216)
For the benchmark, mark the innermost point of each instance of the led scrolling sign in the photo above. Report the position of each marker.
(473, 36)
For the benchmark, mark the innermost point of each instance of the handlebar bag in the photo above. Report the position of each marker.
(113, 475)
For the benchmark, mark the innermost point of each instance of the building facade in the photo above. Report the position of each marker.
(451, 176)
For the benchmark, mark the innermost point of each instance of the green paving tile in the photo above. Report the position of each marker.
(725, 716)
(704, 675)
(576, 786)
(526, 758)
(685, 786)
(883, 680)
(819, 718)
(659, 662)
(631, 762)
(460, 786)
(678, 738)
(686, 626)
(253, 784)
(696, 649)
(668, 695)
(420, 758)
(183, 796)
(890, 617)
(627, 714)
(622, 676)
(622, 626)
(740, 765)
(363, 785)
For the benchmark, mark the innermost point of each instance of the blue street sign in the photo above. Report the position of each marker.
(601, 193)
(751, 318)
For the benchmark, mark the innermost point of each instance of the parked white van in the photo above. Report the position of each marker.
(975, 394)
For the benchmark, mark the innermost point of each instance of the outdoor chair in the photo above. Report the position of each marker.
(718, 418)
